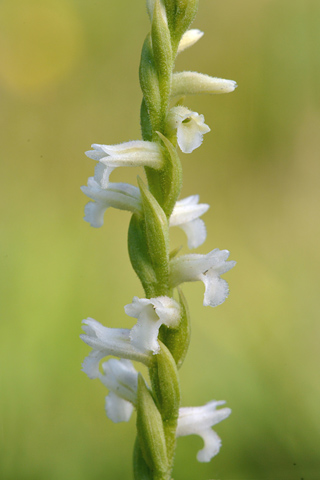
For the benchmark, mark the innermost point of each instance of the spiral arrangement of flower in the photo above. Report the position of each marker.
(160, 337)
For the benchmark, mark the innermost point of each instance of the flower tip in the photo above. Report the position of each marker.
(233, 85)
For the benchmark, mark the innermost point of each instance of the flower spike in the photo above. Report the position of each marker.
(160, 335)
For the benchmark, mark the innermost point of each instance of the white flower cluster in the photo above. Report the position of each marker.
(140, 343)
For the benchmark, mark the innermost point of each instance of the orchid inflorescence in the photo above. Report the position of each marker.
(160, 337)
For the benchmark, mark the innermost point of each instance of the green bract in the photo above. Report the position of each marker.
(150, 432)
(162, 52)
(156, 236)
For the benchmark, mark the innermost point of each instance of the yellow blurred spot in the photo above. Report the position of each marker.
(40, 43)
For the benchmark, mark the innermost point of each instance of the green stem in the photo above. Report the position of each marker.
(148, 240)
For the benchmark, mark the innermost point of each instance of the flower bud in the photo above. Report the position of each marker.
(189, 38)
(191, 83)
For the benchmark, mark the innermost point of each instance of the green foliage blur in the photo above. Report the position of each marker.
(69, 78)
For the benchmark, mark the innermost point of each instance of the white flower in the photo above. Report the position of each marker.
(186, 215)
(124, 196)
(109, 341)
(121, 378)
(198, 421)
(207, 268)
(189, 38)
(191, 83)
(128, 154)
(151, 314)
(118, 195)
(190, 128)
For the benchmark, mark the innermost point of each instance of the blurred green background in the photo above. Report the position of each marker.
(69, 78)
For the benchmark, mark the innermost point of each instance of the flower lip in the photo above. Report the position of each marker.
(151, 314)
(198, 421)
(121, 378)
(190, 128)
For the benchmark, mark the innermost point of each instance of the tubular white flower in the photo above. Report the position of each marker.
(151, 314)
(186, 215)
(189, 38)
(118, 195)
(191, 83)
(109, 341)
(207, 268)
(190, 128)
(198, 421)
(121, 378)
(124, 196)
(128, 154)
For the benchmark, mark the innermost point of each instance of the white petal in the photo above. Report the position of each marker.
(127, 154)
(168, 310)
(190, 134)
(144, 335)
(189, 38)
(134, 159)
(212, 444)
(190, 127)
(216, 290)
(164, 308)
(102, 174)
(151, 314)
(135, 308)
(112, 341)
(189, 139)
(196, 232)
(90, 365)
(191, 200)
(93, 213)
(120, 377)
(96, 154)
(187, 210)
(117, 409)
(135, 146)
(186, 215)
(187, 268)
(117, 195)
